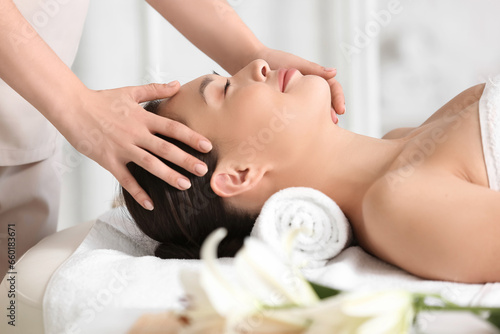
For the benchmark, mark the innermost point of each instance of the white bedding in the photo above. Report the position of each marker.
(113, 272)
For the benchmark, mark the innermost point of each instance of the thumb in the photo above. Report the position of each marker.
(154, 91)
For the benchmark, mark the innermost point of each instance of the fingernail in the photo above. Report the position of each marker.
(148, 205)
(205, 145)
(329, 69)
(173, 83)
(183, 184)
(200, 169)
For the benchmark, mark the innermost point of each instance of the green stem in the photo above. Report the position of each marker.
(458, 308)
(448, 306)
(492, 315)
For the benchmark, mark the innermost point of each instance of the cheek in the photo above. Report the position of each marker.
(315, 97)
(252, 111)
(252, 124)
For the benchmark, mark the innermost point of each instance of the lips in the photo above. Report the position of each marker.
(284, 77)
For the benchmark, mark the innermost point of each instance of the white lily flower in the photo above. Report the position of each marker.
(226, 297)
(261, 273)
(262, 279)
(266, 277)
(271, 297)
(380, 312)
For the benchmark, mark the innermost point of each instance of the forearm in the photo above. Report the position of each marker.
(214, 27)
(33, 69)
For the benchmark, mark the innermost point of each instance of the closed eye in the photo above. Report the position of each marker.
(228, 83)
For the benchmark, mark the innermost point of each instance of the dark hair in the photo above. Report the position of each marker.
(182, 219)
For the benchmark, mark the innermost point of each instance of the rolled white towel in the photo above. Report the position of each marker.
(326, 230)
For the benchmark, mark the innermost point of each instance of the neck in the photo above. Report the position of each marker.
(344, 165)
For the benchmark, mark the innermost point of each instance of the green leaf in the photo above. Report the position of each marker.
(324, 291)
(494, 317)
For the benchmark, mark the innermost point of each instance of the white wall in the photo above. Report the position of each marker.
(433, 50)
(406, 66)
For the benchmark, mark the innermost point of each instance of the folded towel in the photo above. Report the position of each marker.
(325, 229)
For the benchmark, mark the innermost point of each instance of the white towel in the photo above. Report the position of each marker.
(326, 229)
(354, 269)
(113, 270)
(489, 116)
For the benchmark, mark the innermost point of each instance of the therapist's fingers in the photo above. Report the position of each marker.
(338, 98)
(156, 167)
(277, 59)
(175, 155)
(154, 91)
(309, 67)
(165, 126)
(176, 130)
(129, 183)
(337, 93)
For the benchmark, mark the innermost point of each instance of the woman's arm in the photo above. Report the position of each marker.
(108, 126)
(437, 226)
(32, 69)
(215, 28)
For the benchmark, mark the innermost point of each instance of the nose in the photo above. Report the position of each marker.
(259, 70)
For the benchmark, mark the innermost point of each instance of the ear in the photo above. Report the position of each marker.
(231, 181)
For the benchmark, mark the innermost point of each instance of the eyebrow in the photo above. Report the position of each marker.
(204, 85)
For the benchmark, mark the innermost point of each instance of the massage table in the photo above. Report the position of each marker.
(34, 270)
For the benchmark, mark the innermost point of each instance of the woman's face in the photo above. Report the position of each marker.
(256, 114)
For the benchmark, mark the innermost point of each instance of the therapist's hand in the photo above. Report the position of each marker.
(113, 129)
(277, 59)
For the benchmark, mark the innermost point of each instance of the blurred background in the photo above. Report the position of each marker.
(398, 62)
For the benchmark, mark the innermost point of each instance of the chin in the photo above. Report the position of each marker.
(318, 96)
(317, 87)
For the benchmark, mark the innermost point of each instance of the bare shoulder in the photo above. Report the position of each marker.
(434, 225)
(455, 105)
(460, 102)
(397, 133)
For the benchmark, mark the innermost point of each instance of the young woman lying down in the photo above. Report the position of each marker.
(418, 198)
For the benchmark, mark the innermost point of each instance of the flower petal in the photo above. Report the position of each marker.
(366, 304)
(224, 296)
(269, 279)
